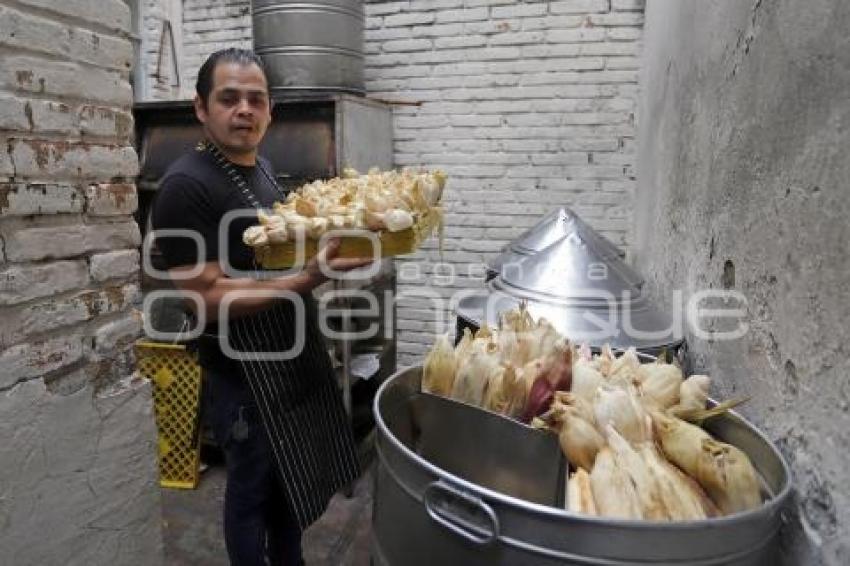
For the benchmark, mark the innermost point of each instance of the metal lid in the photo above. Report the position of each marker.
(638, 324)
(554, 226)
(575, 282)
(573, 270)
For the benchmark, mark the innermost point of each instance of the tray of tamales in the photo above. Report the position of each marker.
(393, 211)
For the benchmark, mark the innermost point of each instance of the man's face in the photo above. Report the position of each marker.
(238, 108)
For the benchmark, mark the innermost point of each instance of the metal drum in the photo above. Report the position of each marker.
(457, 485)
(311, 46)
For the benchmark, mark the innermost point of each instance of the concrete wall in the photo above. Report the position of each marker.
(78, 452)
(743, 184)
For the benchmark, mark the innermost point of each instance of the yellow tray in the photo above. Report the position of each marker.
(281, 256)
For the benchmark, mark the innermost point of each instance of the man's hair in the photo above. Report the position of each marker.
(204, 84)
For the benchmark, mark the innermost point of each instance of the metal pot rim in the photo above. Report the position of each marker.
(769, 507)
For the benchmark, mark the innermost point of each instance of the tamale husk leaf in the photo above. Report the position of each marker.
(660, 383)
(693, 393)
(579, 439)
(697, 416)
(505, 393)
(514, 391)
(542, 339)
(724, 471)
(438, 370)
(463, 347)
(494, 399)
(621, 409)
(530, 372)
(586, 379)
(623, 369)
(648, 493)
(484, 332)
(473, 376)
(683, 498)
(728, 477)
(567, 399)
(613, 491)
(580, 493)
(604, 360)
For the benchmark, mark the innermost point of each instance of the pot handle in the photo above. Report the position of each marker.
(439, 491)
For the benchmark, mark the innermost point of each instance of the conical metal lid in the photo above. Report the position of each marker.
(573, 270)
(587, 293)
(554, 226)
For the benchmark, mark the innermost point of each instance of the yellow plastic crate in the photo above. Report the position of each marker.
(176, 378)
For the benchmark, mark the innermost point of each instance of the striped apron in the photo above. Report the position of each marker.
(298, 399)
(301, 409)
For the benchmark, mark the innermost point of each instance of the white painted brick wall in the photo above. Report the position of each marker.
(526, 104)
(210, 25)
(163, 67)
(68, 278)
(65, 134)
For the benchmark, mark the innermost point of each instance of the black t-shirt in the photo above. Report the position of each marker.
(195, 194)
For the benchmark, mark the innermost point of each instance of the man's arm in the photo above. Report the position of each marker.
(213, 286)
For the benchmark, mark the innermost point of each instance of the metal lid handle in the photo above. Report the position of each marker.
(471, 532)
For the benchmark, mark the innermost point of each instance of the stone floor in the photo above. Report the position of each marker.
(192, 525)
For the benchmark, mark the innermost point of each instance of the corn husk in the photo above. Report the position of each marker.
(724, 471)
(623, 370)
(514, 346)
(682, 497)
(604, 360)
(693, 394)
(660, 383)
(580, 493)
(579, 439)
(531, 371)
(438, 372)
(255, 236)
(543, 339)
(559, 365)
(647, 490)
(463, 347)
(621, 409)
(474, 374)
(586, 379)
(505, 392)
(484, 332)
(613, 491)
(567, 399)
(397, 220)
(517, 336)
(379, 200)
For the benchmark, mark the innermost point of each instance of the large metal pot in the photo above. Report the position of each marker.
(312, 46)
(461, 486)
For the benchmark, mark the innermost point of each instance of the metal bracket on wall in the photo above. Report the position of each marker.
(166, 26)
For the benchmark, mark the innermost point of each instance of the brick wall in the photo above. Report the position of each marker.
(74, 466)
(527, 105)
(210, 25)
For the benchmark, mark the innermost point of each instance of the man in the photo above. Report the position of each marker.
(279, 422)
